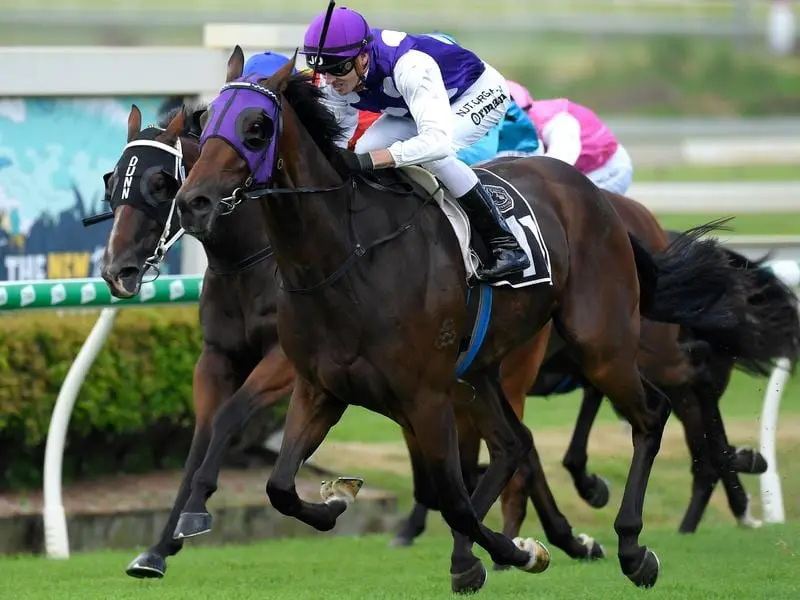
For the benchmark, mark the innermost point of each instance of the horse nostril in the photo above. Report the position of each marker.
(200, 204)
(128, 273)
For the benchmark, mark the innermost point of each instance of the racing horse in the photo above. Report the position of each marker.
(772, 330)
(241, 366)
(144, 220)
(373, 304)
(148, 212)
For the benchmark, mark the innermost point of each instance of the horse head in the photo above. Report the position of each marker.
(140, 191)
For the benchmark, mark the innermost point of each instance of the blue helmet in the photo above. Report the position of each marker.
(265, 64)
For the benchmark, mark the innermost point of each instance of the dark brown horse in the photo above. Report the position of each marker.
(772, 330)
(241, 368)
(143, 221)
(374, 302)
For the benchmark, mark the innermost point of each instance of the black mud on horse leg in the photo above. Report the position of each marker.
(593, 489)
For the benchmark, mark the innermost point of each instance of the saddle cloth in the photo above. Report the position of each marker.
(513, 207)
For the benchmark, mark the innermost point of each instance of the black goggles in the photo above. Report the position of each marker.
(331, 65)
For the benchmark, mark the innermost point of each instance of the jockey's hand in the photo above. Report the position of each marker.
(357, 163)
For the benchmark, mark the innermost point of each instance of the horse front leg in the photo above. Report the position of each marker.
(213, 382)
(269, 382)
(311, 415)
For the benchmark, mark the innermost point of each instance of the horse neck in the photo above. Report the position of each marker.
(310, 232)
(238, 236)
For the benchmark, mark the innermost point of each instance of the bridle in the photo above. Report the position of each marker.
(165, 240)
(256, 186)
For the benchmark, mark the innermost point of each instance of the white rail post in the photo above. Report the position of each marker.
(788, 271)
(56, 539)
(771, 491)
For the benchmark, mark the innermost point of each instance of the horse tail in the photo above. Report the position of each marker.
(773, 329)
(692, 283)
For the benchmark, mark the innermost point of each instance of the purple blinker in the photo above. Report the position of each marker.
(241, 100)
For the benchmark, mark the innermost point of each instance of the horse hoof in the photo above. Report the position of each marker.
(647, 573)
(594, 550)
(191, 525)
(539, 555)
(747, 460)
(148, 565)
(470, 581)
(342, 488)
(747, 520)
(599, 494)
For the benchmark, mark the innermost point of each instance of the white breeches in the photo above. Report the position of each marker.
(482, 106)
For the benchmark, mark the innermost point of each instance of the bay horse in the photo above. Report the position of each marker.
(143, 223)
(241, 368)
(373, 304)
(772, 331)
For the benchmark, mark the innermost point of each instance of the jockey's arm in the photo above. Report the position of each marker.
(346, 115)
(419, 81)
(562, 138)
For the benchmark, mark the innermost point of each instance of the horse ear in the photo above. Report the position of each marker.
(235, 64)
(279, 78)
(195, 124)
(134, 122)
(177, 123)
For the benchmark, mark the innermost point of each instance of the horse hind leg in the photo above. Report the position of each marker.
(593, 489)
(432, 419)
(606, 335)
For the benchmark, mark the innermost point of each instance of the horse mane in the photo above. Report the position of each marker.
(191, 126)
(321, 124)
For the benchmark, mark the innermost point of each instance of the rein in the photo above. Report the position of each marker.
(247, 192)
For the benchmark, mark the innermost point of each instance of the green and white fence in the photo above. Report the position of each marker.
(186, 289)
(76, 294)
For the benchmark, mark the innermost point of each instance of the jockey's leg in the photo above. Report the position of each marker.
(482, 150)
(506, 254)
(479, 110)
(385, 131)
(616, 175)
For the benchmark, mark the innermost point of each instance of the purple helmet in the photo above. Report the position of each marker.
(348, 36)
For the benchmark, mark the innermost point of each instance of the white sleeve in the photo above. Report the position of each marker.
(562, 137)
(419, 82)
(346, 114)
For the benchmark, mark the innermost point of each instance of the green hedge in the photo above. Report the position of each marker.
(134, 412)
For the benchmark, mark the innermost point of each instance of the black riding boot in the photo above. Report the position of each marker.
(503, 247)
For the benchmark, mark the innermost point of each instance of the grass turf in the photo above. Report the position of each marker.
(720, 561)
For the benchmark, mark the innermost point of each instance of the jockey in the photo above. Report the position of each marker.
(436, 98)
(515, 135)
(576, 135)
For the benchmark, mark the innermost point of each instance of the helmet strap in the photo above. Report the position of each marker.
(324, 34)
